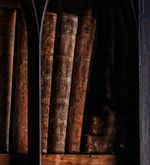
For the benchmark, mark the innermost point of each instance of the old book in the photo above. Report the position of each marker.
(48, 40)
(61, 83)
(99, 144)
(19, 116)
(7, 38)
(82, 60)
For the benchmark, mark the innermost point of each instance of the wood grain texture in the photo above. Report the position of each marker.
(78, 159)
(7, 38)
(82, 61)
(144, 80)
(19, 117)
(61, 83)
(48, 41)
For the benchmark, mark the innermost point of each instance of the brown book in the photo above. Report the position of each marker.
(83, 53)
(19, 117)
(7, 38)
(48, 40)
(99, 144)
(61, 82)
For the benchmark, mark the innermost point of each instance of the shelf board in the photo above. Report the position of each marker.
(69, 159)
(13, 159)
(63, 159)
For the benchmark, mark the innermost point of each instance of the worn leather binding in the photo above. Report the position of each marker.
(82, 60)
(19, 141)
(7, 38)
(61, 83)
(48, 41)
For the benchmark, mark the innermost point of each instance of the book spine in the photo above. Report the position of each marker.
(62, 73)
(19, 117)
(48, 40)
(83, 53)
(98, 145)
(7, 38)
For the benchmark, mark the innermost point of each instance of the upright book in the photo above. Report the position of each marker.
(61, 83)
(19, 117)
(7, 38)
(82, 60)
(48, 40)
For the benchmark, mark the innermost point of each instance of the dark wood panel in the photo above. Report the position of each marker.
(144, 80)
(10, 3)
(14, 159)
(34, 101)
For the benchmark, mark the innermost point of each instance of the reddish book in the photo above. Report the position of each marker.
(7, 38)
(82, 60)
(61, 83)
(19, 141)
(48, 40)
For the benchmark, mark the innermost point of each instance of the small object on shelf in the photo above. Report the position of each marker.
(99, 144)
(96, 125)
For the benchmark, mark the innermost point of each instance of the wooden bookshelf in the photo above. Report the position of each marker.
(144, 103)
(60, 159)
(13, 159)
(64, 159)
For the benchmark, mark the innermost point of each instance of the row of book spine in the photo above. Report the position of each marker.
(67, 51)
(13, 82)
(66, 57)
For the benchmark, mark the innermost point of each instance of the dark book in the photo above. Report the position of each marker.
(81, 67)
(19, 116)
(48, 40)
(7, 38)
(61, 83)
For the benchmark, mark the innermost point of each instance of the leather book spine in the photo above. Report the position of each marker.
(19, 117)
(7, 38)
(61, 83)
(81, 67)
(48, 40)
